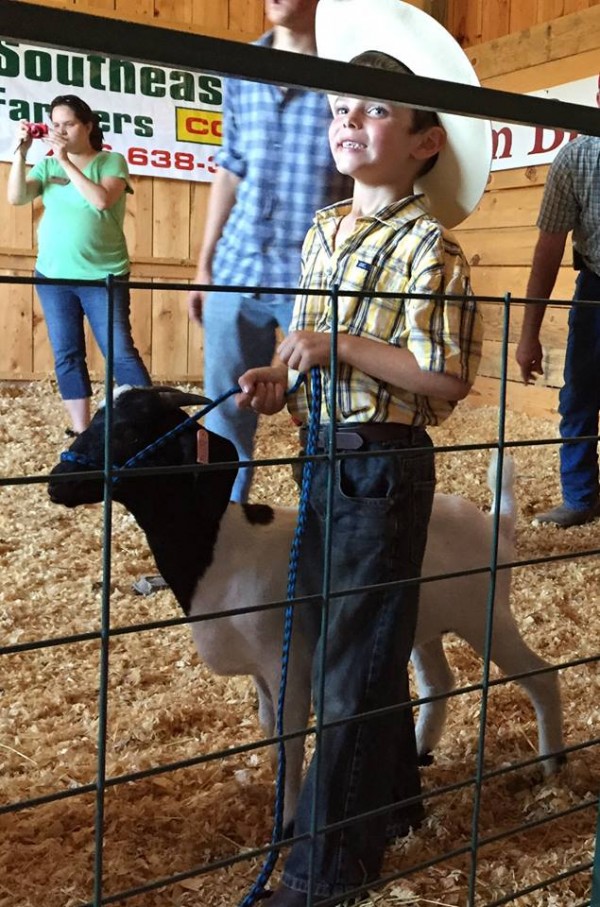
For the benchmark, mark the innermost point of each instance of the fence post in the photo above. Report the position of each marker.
(595, 902)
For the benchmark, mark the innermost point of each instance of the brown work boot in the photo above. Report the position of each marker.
(564, 516)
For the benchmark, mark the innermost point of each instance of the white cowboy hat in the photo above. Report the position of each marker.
(346, 28)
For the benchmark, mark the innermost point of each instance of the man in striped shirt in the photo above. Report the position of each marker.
(408, 347)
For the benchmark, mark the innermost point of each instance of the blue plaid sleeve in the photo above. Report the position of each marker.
(229, 154)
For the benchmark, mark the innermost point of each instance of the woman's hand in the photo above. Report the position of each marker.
(19, 189)
(58, 143)
(22, 137)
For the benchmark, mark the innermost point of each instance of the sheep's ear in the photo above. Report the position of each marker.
(172, 396)
(121, 389)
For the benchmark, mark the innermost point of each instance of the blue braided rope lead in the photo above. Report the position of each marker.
(183, 426)
(307, 473)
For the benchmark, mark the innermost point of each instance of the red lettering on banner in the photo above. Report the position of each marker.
(200, 126)
(556, 139)
(196, 125)
(507, 134)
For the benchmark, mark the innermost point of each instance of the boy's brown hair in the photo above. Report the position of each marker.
(422, 119)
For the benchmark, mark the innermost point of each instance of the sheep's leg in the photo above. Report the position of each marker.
(266, 708)
(512, 655)
(434, 678)
(294, 749)
(295, 717)
(297, 706)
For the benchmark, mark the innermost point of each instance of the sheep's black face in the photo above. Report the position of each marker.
(140, 417)
(81, 489)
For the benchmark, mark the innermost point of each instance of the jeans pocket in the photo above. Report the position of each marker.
(368, 480)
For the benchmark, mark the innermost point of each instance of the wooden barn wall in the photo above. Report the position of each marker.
(479, 21)
(500, 235)
(164, 220)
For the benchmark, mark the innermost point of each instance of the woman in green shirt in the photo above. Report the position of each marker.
(80, 238)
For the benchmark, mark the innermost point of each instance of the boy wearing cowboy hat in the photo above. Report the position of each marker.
(403, 363)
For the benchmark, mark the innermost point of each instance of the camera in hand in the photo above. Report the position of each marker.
(37, 130)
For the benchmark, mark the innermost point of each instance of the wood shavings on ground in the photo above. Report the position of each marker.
(164, 706)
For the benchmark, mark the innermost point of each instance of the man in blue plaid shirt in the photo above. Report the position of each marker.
(275, 171)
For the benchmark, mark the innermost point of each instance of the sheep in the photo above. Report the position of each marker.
(218, 556)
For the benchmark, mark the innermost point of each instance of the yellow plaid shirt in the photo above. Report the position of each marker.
(404, 250)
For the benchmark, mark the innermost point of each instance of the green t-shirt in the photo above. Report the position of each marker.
(75, 240)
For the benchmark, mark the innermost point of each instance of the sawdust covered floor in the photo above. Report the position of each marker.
(165, 706)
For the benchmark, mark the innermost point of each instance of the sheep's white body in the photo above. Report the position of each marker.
(250, 568)
(220, 558)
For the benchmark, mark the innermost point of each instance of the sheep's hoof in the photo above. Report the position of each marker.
(426, 759)
(148, 584)
(554, 765)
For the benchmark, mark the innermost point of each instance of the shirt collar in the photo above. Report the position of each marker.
(265, 40)
(395, 215)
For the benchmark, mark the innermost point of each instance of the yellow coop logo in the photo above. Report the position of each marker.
(199, 126)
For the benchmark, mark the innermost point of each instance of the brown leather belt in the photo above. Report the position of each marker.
(354, 435)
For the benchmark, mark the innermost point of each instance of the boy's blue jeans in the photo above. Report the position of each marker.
(64, 307)
(579, 400)
(381, 511)
(239, 333)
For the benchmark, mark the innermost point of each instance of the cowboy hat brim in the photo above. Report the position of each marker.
(346, 28)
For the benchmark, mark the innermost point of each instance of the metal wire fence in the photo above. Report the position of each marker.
(146, 43)
(108, 633)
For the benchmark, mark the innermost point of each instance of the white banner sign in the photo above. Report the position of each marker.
(166, 122)
(527, 146)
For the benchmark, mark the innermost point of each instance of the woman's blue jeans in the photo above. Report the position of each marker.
(579, 400)
(64, 308)
(381, 510)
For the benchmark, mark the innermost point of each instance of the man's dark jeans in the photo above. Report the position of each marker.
(579, 401)
(381, 510)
